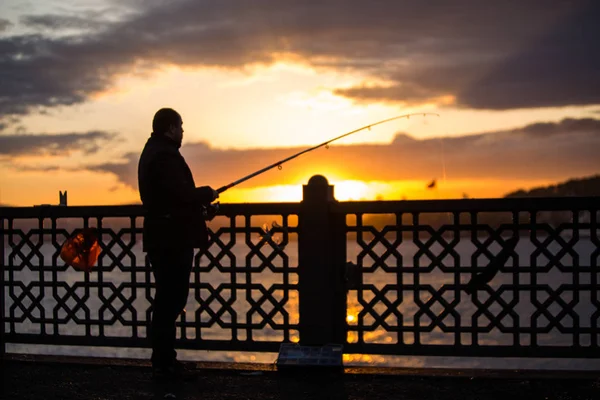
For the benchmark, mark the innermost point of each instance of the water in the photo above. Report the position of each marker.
(209, 280)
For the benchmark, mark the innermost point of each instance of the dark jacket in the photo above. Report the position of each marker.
(172, 202)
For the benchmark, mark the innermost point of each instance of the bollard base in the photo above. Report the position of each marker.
(293, 356)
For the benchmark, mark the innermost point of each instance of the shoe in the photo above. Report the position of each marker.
(163, 373)
(180, 367)
(172, 372)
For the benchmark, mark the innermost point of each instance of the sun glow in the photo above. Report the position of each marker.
(275, 194)
(356, 190)
(344, 190)
(352, 190)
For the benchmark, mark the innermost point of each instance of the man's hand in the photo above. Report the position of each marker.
(206, 194)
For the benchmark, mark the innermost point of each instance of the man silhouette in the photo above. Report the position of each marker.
(174, 225)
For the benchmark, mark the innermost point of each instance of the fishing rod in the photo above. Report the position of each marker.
(82, 249)
(280, 162)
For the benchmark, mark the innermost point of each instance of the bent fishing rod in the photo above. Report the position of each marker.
(280, 162)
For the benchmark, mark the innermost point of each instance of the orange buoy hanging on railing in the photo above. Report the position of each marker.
(81, 250)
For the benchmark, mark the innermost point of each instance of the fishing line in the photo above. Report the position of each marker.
(279, 163)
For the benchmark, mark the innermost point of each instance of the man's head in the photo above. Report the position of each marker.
(168, 122)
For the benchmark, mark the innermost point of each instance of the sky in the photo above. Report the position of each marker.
(516, 85)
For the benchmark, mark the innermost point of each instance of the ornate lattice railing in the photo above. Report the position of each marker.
(414, 260)
(382, 277)
(243, 292)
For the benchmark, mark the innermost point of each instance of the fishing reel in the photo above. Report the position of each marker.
(210, 210)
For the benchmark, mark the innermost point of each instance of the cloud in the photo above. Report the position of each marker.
(506, 55)
(61, 22)
(53, 144)
(41, 168)
(4, 24)
(125, 171)
(38, 72)
(552, 151)
(566, 125)
(552, 64)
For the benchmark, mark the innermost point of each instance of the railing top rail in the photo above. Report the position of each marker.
(470, 205)
(136, 210)
(71, 211)
(405, 206)
(260, 208)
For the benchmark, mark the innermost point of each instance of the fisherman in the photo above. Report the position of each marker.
(174, 225)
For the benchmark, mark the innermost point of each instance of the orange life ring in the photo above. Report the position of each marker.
(81, 250)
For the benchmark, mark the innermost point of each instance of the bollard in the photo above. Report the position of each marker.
(322, 262)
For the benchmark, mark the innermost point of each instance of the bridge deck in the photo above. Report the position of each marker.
(48, 377)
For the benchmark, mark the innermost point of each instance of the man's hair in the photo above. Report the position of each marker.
(163, 119)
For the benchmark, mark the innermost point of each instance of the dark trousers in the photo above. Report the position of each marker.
(171, 270)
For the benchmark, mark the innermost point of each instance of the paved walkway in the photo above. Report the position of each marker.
(43, 377)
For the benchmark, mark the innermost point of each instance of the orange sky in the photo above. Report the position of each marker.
(281, 80)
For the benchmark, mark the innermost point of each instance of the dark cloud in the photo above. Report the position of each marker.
(539, 151)
(409, 93)
(4, 24)
(60, 22)
(53, 144)
(37, 72)
(40, 168)
(566, 125)
(553, 65)
(496, 55)
(561, 68)
(125, 171)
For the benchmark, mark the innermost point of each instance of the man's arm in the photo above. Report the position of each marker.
(172, 182)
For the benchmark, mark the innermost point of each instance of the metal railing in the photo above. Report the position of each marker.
(381, 277)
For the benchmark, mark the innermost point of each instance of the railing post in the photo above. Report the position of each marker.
(322, 259)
